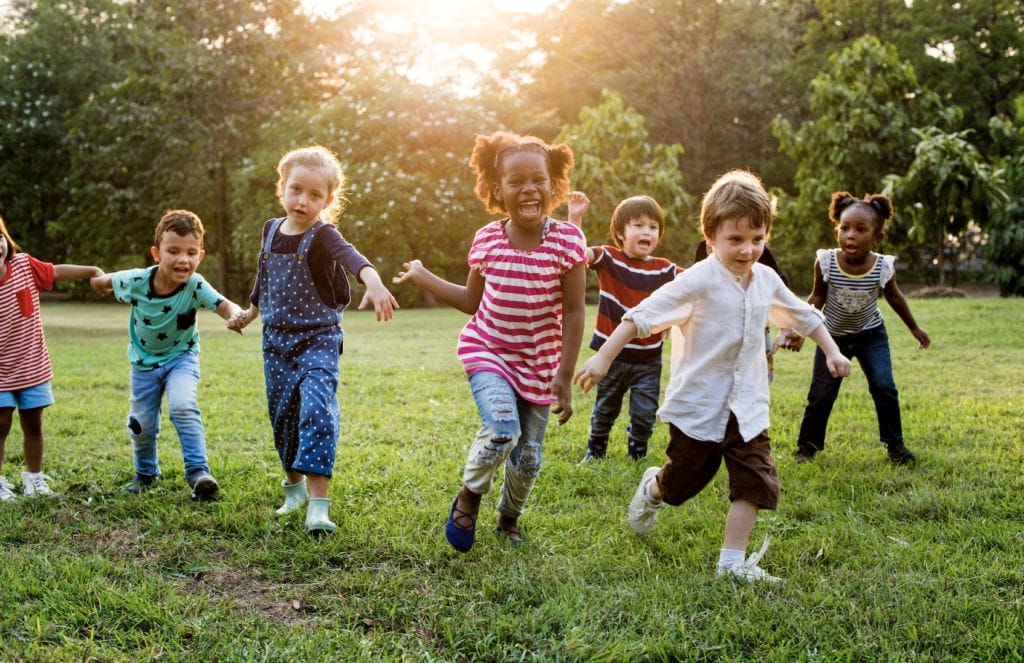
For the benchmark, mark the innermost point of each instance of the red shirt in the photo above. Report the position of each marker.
(24, 361)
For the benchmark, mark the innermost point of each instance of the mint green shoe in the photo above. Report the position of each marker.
(295, 495)
(317, 521)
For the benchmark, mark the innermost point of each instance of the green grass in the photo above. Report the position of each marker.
(879, 562)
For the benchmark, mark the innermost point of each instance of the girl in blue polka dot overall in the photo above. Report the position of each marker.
(300, 292)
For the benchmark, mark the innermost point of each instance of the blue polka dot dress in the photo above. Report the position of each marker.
(302, 343)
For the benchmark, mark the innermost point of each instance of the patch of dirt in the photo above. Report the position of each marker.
(246, 591)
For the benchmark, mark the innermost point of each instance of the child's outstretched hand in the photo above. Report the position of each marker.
(384, 303)
(922, 338)
(240, 319)
(789, 340)
(838, 365)
(412, 269)
(578, 204)
(591, 372)
(102, 284)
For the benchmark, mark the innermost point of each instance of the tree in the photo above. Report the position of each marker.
(1004, 248)
(614, 160)
(864, 107)
(947, 186)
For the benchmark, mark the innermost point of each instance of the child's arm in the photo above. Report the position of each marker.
(229, 310)
(75, 272)
(838, 365)
(465, 298)
(898, 302)
(595, 368)
(578, 204)
(574, 315)
(384, 303)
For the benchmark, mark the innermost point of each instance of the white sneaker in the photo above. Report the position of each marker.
(643, 512)
(6, 490)
(34, 483)
(748, 570)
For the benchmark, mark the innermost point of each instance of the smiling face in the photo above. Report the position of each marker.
(857, 232)
(177, 258)
(305, 194)
(640, 237)
(525, 187)
(738, 245)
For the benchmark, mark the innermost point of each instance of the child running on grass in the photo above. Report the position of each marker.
(717, 400)
(300, 292)
(847, 282)
(163, 348)
(627, 273)
(25, 369)
(525, 292)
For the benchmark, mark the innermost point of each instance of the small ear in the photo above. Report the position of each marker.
(155, 252)
(202, 254)
(496, 192)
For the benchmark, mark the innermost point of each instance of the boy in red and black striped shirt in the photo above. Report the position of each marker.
(626, 274)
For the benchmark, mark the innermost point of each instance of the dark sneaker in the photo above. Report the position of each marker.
(139, 484)
(203, 486)
(804, 454)
(900, 455)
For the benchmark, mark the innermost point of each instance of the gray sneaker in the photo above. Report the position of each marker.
(138, 484)
(203, 486)
(6, 490)
(643, 511)
(34, 483)
(748, 570)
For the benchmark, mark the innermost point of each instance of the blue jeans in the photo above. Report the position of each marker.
(643, 381)
(871, 349)
(512, 433)
(179, 379)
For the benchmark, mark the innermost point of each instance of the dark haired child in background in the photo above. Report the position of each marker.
(163, 348)
(627, 273)
(847, 282)
(525, 291)
(25, 368)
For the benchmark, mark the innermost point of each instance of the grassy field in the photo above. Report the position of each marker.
(879, 562)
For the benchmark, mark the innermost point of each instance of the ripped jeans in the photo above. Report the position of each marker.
(179, 379)
(512, 432)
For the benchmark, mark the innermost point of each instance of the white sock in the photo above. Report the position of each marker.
(29, 475)
(729, 557)
(647, 493)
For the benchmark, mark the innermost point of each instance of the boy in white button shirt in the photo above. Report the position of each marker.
(716, 404)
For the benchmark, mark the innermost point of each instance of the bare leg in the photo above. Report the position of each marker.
(739, 524)
(318, 484)
(32, 430)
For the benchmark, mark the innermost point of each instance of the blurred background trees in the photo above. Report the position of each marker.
(113, 110)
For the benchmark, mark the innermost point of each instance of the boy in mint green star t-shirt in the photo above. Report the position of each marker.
(164, 348)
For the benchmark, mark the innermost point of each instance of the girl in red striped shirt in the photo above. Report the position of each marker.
(25, 370)
(525, 293)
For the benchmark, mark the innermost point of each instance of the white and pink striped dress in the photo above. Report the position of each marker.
(517, 330)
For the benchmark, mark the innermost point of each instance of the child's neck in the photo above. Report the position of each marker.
(859, 267)
(293, 227)
(524, 237)
(162, 286)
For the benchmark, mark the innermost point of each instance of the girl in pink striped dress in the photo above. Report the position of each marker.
(525, 295)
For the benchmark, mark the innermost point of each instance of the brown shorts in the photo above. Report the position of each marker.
(692, 464)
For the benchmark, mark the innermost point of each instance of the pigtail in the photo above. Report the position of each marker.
(840, 201)
(561, 159)
(484, 161)
(882, 206)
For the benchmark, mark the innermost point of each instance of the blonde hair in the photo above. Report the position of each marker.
(321, 159)
(737, 194)
(12, 247)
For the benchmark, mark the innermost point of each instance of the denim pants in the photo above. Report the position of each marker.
(643, 382)
(512, 433)
(179, 379)
(871, 349)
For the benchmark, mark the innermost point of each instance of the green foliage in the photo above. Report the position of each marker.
(947, 186)
(1004, 249)
(865, 106)
(615, 160)
(878, 562)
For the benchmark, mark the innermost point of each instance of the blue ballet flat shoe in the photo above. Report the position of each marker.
(460, 538)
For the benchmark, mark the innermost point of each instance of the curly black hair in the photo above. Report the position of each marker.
(843, 200)
(490, 151)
